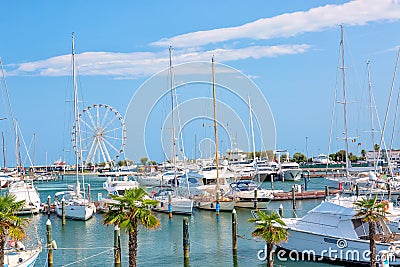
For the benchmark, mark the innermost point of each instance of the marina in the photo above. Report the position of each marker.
(88, 242)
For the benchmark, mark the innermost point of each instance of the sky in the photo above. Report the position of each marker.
(289, 50)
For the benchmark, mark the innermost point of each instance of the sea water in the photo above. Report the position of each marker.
(90, 243)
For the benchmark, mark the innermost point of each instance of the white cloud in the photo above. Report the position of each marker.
(139, 64)
(357, 12)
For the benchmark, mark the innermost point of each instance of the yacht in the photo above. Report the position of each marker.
(26, 191)
(289, 171)
(159, 178)
(179, 204)
(16, 255)
(245, 191)
(332, 232)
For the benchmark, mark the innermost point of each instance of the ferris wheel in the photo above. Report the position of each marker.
(102, 134)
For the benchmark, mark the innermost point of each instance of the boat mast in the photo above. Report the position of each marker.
(172, 116)
(346, 140)
(371, 106)
(76, 117)
(4, 150)
(215, 123)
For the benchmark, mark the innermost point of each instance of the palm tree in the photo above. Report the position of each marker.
(371, 211)
(271, 229)
(10, 225)
(130, 210)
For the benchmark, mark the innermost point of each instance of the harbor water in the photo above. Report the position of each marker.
(90, 243)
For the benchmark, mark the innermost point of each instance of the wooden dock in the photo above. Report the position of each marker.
(312, 194)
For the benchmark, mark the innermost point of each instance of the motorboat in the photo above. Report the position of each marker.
(159, 178)
(333, 232)
(179, 204)
(290, 171)
(116, 187)
(248, 194)
(26, 191)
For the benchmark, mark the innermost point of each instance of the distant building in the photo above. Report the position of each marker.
(384, 155)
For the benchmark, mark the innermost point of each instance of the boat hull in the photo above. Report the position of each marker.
(25, 258)
(291, 175)
(211, 205)
(179, 205)
(76, 212)
(317, 247)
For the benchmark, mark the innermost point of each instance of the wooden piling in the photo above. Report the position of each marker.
(255, 200)
(49, 243)
(186, 239)
(234, 231)
(357, 190)
(326, 191)
(117, 247)
(63, 211)
(280, 210)
(170, 206)
(48, 205)
(88, 190)
(294, 198)
(389, 191)
(305, 183)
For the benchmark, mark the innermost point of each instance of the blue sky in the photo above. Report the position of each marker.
(290, 50)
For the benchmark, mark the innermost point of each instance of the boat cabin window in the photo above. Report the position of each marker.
(362, 228)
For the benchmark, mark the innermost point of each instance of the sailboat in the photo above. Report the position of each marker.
(211, 199)
(168, 197)
(77, 206)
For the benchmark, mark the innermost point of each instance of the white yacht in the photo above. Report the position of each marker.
(77, 207)
(179, 204)
(159, 178)
(331, 231)
(16, 255)
(245, 191)
(290, 171)
(25, 190)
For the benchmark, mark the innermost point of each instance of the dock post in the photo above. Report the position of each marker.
(357, 190)
(255, 200)
(117, 247)
(294, 198)
(170, 206)
(63, 211)
(49, 244)
(217, 205)
(326, 191)
(280, 210)
(48, 205)
(88, 190)
(272, 181)
(305, 183)
(186, 240)
(234, 232)
(389, 191)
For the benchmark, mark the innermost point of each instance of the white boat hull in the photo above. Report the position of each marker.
(29, 257)
(315, 247)
(180, 205)
(76, 212)
(211, 205)
(291, 175)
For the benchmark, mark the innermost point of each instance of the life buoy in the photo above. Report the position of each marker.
(386, 205)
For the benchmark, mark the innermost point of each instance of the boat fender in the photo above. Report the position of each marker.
(386, 206)
(20, 246)
(20, 260)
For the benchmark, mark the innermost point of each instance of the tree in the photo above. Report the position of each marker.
(271, 229)
(10, 224)
(370, 211)
(376, 147)
(130, 210)
(299, 157)
(143, 160)
(363, 154)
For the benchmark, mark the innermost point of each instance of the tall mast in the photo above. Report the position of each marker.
(252, 129)
(371, 106)
(215, 122)
(4, 151)
(172, 115)
(76, 117)
(346, 140)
